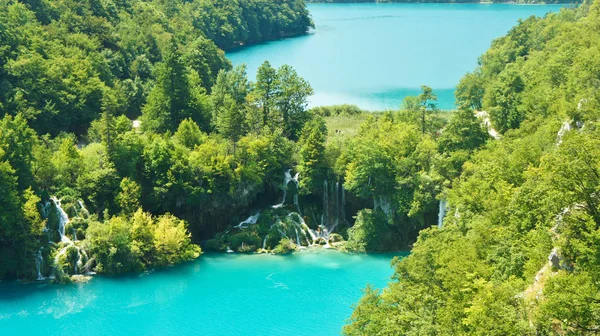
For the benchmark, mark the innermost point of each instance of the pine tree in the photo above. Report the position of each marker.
(169, 101)
(313, 165)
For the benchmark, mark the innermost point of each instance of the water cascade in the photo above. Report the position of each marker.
(293, 225)
(85, 211)
(286, 180)
(79, 258)
(249, 221)
(39, 264)
(63, 219)
(384, 204)
(566, 126)
(442, 212)
(325, 217)
(343, 205)
(334, 208)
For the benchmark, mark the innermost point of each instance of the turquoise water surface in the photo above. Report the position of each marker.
(373, 55)
(307, 293)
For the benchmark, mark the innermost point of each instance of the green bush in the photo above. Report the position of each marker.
(285, 246)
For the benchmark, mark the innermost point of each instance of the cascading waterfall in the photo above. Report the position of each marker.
(334, 208)
(343, 206)
(325, 217)
(293, 226)
(249, 221)
(566, 126)
(384, 204)
(83, 208)
(337, 205)
(81, 260)
(77, 263)
(39, 264)
(63, 219)
(297, 237)
(297, 204)
(286, 180)
(442, 212)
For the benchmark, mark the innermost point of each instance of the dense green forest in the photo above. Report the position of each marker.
(127, 138)
(518, 250)
(76, 172)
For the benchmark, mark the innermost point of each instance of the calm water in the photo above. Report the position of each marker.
(310, 292)
(373, 55)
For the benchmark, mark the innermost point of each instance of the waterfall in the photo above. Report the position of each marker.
(264, 247)
(297, 237)
(83, 208)
(81, 259)
(63, 219)
(566, 126)
(249, 221)
(39, 264)
(76, 263)
(297, 204)
(287, 178)
(337, 203)
(442, 212)
(385, 205)
(343, 205)
(325, 218)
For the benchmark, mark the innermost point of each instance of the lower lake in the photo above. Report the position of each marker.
(310, 292)
(373, 55)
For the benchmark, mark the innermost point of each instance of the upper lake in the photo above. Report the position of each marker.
(373, 55)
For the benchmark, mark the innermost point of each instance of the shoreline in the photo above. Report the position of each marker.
(86, 278)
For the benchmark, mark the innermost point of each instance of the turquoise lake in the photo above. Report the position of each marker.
(310, 292)
(373, 55)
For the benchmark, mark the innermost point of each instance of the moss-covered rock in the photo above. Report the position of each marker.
(285, 246)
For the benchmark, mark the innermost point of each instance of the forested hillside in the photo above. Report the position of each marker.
(517, 253)
(73, 76)
(127, 138)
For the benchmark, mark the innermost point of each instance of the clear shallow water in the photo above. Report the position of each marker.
(310, 292)
(373, 55)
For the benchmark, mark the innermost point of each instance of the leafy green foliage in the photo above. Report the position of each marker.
(517, 253)
(369, 228)
(134, 244)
